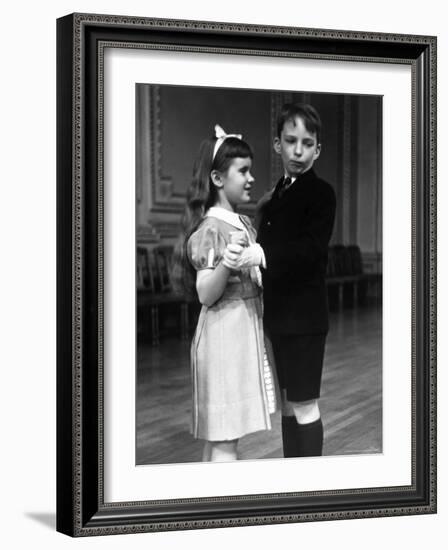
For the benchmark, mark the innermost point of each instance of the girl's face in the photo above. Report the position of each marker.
(235, 183)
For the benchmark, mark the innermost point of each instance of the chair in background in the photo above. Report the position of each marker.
(337, 271)
(365, 280)
(345, 271)
(154, 290)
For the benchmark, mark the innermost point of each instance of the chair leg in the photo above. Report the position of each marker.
(341, 295)
(184, 322)
(155, 325)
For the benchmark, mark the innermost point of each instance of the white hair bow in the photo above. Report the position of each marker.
(221, 136)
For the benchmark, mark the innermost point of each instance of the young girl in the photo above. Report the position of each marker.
(233, 389)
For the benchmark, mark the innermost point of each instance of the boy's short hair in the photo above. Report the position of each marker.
(304, 111)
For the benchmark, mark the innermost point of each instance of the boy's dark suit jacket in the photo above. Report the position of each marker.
(294, 231)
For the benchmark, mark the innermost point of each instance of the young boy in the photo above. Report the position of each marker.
(296, 222)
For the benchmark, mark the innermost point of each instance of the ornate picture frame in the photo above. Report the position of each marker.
(81, 506)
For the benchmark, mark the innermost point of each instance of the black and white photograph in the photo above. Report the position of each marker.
(115, 365)
(258, 274)
(246, 272)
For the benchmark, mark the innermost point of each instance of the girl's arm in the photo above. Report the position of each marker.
(210, 283)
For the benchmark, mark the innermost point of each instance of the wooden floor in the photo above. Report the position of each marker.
(350, 400)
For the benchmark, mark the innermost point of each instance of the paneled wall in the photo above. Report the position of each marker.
(171, 121)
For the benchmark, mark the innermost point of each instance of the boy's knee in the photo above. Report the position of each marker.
(304, 411)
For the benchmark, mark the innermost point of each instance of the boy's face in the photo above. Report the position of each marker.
(297, 147)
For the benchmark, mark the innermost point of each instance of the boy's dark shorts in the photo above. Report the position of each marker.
(299, 360)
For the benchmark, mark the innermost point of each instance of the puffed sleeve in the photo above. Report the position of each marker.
(205, 247)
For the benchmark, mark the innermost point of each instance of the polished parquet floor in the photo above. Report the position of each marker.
(350, 401)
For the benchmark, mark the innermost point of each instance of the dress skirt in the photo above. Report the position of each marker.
(230, 378)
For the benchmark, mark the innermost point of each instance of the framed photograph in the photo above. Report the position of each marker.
(139, 438)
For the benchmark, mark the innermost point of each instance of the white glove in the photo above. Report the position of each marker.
(251, 256)
(231, 255)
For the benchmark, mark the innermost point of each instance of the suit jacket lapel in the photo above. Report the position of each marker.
(278, 204)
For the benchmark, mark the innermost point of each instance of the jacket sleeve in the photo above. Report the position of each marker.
(260, 207)
(298, 255)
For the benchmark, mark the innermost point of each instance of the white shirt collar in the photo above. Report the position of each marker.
(292, 179)
(232, 218)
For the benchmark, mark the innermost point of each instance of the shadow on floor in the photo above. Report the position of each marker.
(48, 519)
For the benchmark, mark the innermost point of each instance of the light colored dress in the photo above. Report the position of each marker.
(233, 385)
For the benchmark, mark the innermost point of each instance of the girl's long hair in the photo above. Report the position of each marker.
(201, 195)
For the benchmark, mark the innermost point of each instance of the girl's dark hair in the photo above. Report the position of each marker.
(201, 195)
(304, 111)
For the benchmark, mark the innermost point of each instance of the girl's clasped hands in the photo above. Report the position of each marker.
(239, 253)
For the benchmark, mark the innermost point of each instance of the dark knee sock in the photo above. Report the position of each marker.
(288, 435)
(302, 439)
